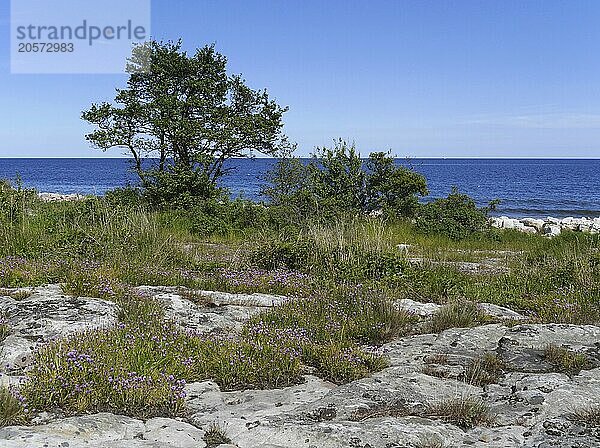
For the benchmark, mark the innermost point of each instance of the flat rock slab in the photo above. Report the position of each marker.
(533, 403)
(104, 430)
(46, 315)
(428, 309)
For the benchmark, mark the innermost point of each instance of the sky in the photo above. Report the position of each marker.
(420, 78)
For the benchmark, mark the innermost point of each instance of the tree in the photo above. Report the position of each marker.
(393, 189)
(338, 178)
(337, 181)
(186, 114)
(287, 184)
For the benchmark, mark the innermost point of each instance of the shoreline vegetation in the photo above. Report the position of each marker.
(341, 312)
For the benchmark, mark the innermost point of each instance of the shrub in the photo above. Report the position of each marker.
(458, 314)
(128, 196)
(456, 216)
(337, 182)
(287, 187)
(178, 187)
(393, 189)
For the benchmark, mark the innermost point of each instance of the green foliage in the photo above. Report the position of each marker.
(288, 186)
(188, 114)
(128, 196)
(456, 216)
(179, 187)
(393, 189)
(337, 182)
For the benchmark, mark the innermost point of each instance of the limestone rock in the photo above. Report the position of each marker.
(45, 315)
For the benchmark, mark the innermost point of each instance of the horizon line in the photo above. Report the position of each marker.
(308, 157)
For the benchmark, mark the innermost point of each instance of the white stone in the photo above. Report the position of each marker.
(552, 230)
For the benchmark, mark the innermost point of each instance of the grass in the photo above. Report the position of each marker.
(465, 412)
(589, 416)
(140, 366)
(11, 408)
(4, 329)
(565, 360)
(431, 442)
(216, 435)
(484, 370)
(344, 275)
(458, 314)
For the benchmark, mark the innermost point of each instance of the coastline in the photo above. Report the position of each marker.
(549, 226)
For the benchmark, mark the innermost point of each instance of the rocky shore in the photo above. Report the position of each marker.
(549, 226)
(531, 400)
(60, 197)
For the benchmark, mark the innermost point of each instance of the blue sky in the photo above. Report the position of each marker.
(422, 78)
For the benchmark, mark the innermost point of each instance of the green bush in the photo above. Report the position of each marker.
(336, 182)
(178, 187)
(393, 189)
(128, 196)
(456, 216)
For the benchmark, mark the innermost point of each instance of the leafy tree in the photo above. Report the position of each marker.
(188, 115)
(288, 185)
(393, 189)
(338, 178)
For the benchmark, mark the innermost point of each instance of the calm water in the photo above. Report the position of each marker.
(529, 187)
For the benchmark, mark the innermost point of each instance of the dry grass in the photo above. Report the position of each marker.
(465, 412)
(11, 410)
(216, 435)
(565, 360)
(458, 314)
(484, 370)
(588, 416)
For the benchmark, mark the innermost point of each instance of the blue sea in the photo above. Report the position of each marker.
(525, 187)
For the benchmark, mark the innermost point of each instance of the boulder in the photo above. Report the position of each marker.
(102, 431)
(537, 224)
(552, 230)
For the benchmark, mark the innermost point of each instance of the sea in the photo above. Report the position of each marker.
(525, 187)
